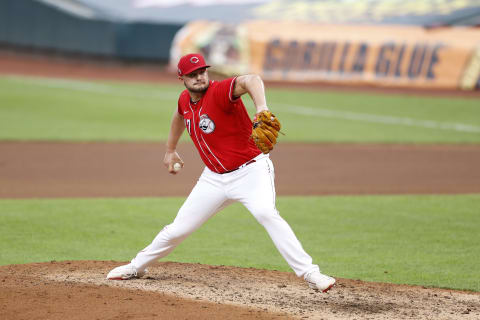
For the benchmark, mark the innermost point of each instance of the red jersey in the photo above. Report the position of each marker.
(219, 126)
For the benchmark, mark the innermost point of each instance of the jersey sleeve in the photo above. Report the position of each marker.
(180, 105)
(179, 108)
(224, 94)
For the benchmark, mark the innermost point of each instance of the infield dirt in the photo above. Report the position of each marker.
(46, 169)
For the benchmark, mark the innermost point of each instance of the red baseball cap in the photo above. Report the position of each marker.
(191, 62)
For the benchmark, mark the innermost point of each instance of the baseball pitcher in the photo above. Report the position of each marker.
(237, 167)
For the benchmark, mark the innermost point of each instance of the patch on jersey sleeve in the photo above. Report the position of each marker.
(206, 124)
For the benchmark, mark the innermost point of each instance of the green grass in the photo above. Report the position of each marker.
(421, 240)
(56, 109)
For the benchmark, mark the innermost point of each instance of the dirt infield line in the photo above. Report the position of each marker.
(47, 169)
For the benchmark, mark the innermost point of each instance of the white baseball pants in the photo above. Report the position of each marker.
(253, 186)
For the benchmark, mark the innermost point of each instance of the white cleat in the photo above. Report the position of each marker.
(319, 281)
(125, 272)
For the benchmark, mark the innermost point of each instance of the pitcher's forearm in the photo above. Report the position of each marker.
(256, 90)
(253, 85)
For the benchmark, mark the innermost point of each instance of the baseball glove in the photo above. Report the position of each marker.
(265, 130)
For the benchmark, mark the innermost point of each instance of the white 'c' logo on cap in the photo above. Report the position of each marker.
(194, 60)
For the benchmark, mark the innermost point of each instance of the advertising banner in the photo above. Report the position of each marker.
(406, 56)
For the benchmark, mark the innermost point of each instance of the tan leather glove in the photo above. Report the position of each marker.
(265, 130)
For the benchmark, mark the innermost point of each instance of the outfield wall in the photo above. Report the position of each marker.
(35, 25)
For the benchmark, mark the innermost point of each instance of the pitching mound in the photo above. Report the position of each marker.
(78, 290)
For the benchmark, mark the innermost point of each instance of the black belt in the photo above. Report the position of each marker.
(243, 165)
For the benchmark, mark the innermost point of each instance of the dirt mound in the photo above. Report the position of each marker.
(78, 290)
